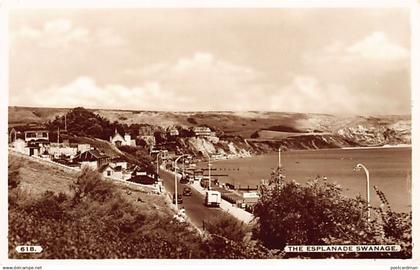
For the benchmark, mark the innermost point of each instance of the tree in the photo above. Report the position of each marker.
(255, 135)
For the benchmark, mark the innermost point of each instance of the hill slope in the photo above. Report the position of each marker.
(289, 130)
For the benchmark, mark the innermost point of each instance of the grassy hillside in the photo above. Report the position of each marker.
(231, 123)
(268, 130)
(25, 115)
(81, 216)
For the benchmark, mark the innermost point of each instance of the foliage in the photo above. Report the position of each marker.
(317, 213)
(89, 184)
(94, 220)
(82, 122)
(191, 120)
(227, 226)
(285, 129)
(139, 156)
(219, 247)
(13, 172)
(255, 135)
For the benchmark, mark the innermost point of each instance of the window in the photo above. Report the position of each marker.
(108, 173)
(31, 135)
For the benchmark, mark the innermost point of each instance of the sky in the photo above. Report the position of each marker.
(309, 60)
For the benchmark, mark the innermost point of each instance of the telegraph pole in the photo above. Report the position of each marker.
(209, 175)
(279, 157)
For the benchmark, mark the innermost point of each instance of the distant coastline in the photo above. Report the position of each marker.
(378, 147)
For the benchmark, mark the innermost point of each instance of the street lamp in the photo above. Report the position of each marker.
(279, 157)
(157, 163)
(209, 187)
(176, 187)
(357, 168)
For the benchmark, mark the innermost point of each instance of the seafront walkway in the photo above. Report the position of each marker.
(230, 208)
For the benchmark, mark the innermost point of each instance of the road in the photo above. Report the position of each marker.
(194, 205)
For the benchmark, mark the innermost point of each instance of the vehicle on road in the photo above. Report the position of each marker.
(184, 180)
(213, 198)
(187, 191)
(179, 197)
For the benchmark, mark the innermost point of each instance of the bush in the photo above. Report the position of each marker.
(191, 120)
(90, 183)
(13, 173)
(227, 226)
(95, 221)
(255, 135)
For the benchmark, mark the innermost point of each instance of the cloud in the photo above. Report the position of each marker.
(84, 91)
(205, 82)
(377, 47)
(57, 26)
(199, 82)
(308, 94)
(56, 33)
(61, 33)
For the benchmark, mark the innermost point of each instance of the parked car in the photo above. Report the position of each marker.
(187, 191)
(179, 198)
(184, 180)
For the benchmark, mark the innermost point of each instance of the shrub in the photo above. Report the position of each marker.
(255, 135)
(227, 226)
(50, 205)
(13, 173)
(90, 183)
(191, 120)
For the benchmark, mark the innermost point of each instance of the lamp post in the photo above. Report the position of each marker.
(157, 163)
(209, 175)
(357, 168)
(176, 187)
(279, 157)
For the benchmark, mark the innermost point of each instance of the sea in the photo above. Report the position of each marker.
(389, 169)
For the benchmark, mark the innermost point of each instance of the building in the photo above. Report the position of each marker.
(60, 149)
(115, 162)
(29, 133)
(119, 140)
(37, 135)
(173, 131)
(92, 158)
(83, 147)
(108, 170)
(202, 132)
(142, 176)
(20, 146)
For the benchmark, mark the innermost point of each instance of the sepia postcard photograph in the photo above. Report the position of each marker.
(244, 132)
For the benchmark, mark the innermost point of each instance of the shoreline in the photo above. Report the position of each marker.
(298, 150)
(379, 147)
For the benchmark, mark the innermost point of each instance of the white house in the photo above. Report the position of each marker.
(92, 158)
(20, 146)
(109, 171)
(119, 140)
(115, 162)
(58, 149)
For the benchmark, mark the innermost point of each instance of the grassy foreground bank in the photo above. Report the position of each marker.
(81, 216)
